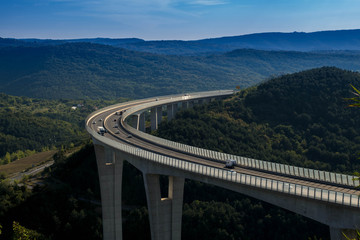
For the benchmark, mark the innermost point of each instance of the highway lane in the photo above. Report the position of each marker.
(108, 122)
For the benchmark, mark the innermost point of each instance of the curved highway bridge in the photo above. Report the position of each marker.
(118, 134)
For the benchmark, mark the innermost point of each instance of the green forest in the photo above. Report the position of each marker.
(301, 119)
(95, 71)
(29, 125)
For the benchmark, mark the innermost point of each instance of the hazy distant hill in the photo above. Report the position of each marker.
(296, 41)
(86, 70)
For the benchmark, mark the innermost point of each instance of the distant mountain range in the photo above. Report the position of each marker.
(94, 71)
(296, 41)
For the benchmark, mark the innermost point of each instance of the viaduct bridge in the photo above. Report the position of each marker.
(329, 198)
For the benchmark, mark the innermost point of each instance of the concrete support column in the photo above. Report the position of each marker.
(175, 109)
(153, 119)
(132, 120)
(159, 115)
(142, 122)
(169, 110)
(164, 213)
(205, 100)
(191, 104)
(136, 121)
(184, 105)
(110, 167)
(338, 234)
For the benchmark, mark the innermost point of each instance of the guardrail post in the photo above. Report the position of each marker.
(164, 213)
(110, 166)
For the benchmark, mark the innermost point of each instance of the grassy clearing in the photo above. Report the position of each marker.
(27, 162)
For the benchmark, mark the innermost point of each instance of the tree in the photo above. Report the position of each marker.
(22, 233)
(356, 99)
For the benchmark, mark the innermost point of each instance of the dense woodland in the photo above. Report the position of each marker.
(95, 71)
(28, 125)
(299, 119)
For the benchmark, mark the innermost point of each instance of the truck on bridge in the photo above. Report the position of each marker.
(230, 163)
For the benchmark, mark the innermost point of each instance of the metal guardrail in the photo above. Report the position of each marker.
(240, 178)
(226, 175)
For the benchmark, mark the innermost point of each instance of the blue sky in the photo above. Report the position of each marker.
(171, 19)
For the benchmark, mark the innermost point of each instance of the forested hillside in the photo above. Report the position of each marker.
(300, 119)
(28, 124)
(94, 71)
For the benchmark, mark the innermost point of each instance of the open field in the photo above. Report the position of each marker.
(27, 162)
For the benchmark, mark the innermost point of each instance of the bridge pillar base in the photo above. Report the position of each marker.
(110, 166)
(184, 105)
(164, 213)
(142, 122)
(169, 109)
(154, 119)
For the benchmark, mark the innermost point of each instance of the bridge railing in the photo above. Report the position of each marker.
(341, 198)
(319, 175)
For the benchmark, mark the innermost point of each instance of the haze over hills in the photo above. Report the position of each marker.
(295, 41)
(87, 70)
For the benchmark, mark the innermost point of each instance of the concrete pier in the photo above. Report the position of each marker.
(141, 122)
(159, 115)
(184, 105)
(169, 111)
(110, 166)
(154, 118)
(164, 213)
(190, 104)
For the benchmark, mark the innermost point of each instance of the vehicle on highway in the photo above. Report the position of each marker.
(230, 163)
(101, 130)
(116, 125)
